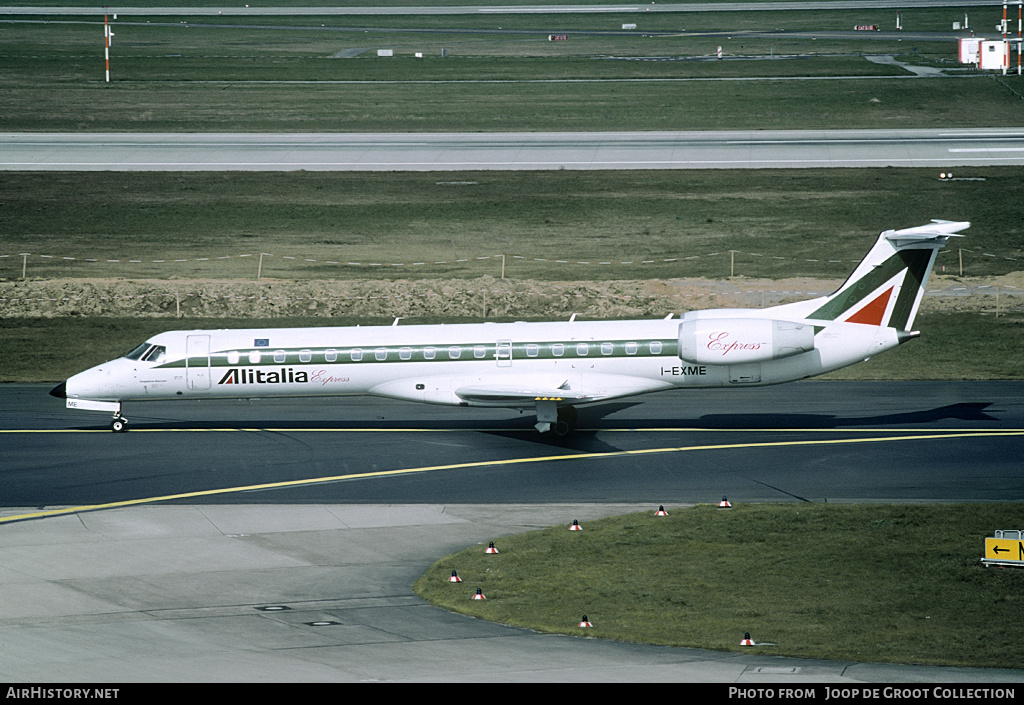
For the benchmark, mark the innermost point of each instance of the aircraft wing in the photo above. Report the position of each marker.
(512, 395)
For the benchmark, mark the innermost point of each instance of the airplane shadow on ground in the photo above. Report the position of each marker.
(593, 420)
(974, 411)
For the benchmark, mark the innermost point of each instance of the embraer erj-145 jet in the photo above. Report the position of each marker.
(549, 368)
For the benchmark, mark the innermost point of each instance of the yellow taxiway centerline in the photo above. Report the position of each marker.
(496, 463)
(656, 429)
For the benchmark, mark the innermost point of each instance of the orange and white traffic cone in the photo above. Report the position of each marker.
(575, 526)
(491, 548)
(584, 623)
(724, 504)
(747, 641)
(479, 595)
(455, 578)
(661, 512)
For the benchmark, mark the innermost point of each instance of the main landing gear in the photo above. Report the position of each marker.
(561, 420)
(566, 422)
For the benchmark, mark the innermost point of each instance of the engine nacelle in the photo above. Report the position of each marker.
(732, 341)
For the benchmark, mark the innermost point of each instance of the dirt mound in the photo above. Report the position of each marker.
(485, 297)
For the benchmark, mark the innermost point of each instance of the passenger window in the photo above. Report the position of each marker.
(381, 354)
(557, 349)
(532, 350)
(330, 356)
(405, 353)
(254, 357)
(233, 357)
(454, 352)
(428, 353)
(582, 349)
(280, 356)
(656, 347)
(631, 348)
(479, 351)
(357, 354)
(305, 356)
(606, 348)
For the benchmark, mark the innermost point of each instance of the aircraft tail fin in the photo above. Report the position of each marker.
(886, 287)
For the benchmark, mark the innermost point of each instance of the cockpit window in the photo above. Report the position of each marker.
(147, 352)
(155, 354)
(137, 352)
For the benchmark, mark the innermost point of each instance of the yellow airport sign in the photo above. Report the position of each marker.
(1004, 550)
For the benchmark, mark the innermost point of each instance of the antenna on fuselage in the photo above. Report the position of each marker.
(397, 319)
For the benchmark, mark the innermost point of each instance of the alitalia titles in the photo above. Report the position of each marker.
(243, 375)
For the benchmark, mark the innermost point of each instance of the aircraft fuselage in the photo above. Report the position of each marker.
(550, 367)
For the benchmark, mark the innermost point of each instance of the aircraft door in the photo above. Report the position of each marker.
(197, 361)
(503, 353)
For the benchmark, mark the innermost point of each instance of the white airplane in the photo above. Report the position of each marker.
(549, 368)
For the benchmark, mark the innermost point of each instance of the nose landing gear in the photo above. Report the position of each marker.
(119, 424)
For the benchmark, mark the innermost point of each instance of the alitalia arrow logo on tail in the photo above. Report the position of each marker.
(912, 268)
(874, 312)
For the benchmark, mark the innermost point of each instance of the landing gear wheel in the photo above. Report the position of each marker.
(566, 423)
(119, 424)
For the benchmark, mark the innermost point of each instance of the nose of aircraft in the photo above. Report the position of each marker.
(60, 391)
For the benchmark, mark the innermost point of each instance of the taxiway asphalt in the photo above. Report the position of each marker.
(311, 581)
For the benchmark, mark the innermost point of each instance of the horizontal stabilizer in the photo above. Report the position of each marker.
(938, 231)
(496, 394)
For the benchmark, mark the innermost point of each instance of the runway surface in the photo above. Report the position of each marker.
(510, 151)
(172, 580)
(497, 9)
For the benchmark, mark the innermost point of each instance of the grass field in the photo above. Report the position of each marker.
(789, 223)
(780, 223)
(173, 74)
(508, 107)
(876, 583)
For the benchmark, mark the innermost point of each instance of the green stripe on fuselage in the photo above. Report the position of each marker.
(571, 350)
